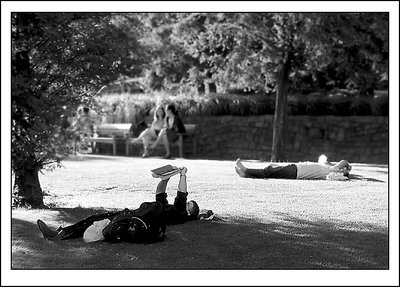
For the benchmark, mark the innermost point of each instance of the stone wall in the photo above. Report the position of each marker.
(357, 139)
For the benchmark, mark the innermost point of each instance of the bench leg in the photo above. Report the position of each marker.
(94, 146)
(194, 147)
(180, 144)
(115, 147)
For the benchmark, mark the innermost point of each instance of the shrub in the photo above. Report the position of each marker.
(339, 105)
(131, 107)
(380, 105)
(360, 107)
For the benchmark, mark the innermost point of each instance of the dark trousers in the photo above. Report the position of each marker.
(288, 172)
(76, 230)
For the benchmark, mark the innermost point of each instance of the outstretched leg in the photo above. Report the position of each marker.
(166, 146)
(76, 230)
(243, 171)
(271, 171)
(160, 137)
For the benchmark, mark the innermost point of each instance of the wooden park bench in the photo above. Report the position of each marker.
(110, 134)
(190, 135)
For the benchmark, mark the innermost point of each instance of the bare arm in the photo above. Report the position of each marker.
(342, 166)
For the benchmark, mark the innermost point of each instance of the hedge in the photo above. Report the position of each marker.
(127, 107)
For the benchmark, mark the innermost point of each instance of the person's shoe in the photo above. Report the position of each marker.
(239, 165)
(240, 172)
(167, 156)
(46, 231)
(145, 155)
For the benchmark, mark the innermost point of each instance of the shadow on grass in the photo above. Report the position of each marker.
(238, 243)
(360, 177)
(371, 165)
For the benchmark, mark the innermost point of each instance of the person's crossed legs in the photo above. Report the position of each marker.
(271, 171)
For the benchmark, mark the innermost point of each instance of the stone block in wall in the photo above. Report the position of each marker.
(340, 135)
(343, 137)
(326, 146)
(332, 136)
(315, 133)
(259, 124)
(346, 124)
(296, 145)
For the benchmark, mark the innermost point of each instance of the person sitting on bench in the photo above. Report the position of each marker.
(150, 134)
(169, 134)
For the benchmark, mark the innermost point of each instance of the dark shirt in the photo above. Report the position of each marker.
(177, 125)
(176, 213)
(156, 214)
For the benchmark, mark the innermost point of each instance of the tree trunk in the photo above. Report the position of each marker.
(278, 140)
(27, 191)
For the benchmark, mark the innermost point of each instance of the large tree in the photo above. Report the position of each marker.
(261, 51)
(58, 61)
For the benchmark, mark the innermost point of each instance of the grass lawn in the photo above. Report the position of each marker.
(258, 225)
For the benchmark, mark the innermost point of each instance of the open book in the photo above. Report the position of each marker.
(165, 171)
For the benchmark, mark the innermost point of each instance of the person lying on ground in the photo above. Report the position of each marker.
(144, 224)
(301, 170)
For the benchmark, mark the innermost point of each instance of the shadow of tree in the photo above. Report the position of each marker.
(222, 243)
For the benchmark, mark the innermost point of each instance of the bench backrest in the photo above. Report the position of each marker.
(190, 128)
(123, 129)
(113, 129)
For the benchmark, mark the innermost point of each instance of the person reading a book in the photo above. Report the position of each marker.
(323, 169)
(144, 224)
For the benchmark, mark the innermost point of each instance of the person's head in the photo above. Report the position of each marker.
(171, 110)
(159, 113)
(192, 209)
(344, 167)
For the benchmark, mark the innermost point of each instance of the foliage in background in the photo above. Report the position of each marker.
(265, 51)
(131, 107)
(244, 50)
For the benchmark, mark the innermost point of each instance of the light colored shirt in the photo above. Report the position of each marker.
(157, 124)
(312, 170)
(95, 231)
